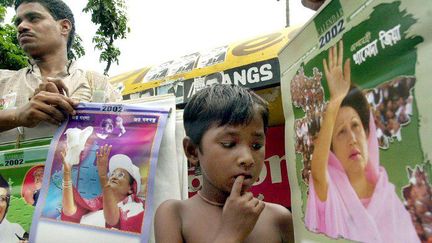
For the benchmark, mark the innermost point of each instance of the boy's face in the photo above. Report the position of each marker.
(229, 151)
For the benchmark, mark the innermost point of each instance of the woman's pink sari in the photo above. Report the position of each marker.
(385, 219)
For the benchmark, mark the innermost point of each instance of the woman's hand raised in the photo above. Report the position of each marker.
(338, 81)
(102, 160)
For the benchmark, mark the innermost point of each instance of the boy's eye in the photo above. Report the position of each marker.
(257, 146)
(228, 144)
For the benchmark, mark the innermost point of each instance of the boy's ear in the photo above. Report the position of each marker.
(191, 150)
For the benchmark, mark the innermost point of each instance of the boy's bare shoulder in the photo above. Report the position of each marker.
(174, 207)
(278, 211)
(282, 218)
(169, 220)
(171, 204)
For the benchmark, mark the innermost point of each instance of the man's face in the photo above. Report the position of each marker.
(3, 202)
(38, 32)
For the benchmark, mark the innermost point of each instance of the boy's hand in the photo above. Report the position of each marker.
(240, 213)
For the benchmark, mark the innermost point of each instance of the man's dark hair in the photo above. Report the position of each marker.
(357, 100)
(59, 10)
(221, 105)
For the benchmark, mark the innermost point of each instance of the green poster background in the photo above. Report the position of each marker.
(19, 211)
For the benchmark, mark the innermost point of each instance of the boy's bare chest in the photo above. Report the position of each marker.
(203, 225)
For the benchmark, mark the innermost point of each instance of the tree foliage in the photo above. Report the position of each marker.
(11, 55)
(110, 16)
(77, 50)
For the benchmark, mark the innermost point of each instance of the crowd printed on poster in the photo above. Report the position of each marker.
(418, 199)
(100, 172)
(272, 185)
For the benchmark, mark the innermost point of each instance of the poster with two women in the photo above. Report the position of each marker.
(99, 176)
(356, 95)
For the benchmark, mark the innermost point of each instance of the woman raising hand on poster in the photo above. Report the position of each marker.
(338, 86)
(118, 206)
(349, 192)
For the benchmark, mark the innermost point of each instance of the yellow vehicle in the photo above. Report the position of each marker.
(252, 63)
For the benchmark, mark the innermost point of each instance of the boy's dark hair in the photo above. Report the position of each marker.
(357, 100)
(221, 105)
(59, 10)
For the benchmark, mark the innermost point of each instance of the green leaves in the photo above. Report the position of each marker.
(11, 55)
(110, 16)
(77, 50)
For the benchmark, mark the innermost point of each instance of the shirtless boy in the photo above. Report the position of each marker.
(225, 135)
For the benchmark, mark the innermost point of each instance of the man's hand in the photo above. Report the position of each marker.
(52, 85)
(45, 106)
(313, 4)
(240, 214)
